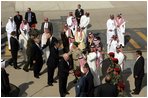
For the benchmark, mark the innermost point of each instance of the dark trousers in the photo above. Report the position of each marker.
(50, 70)
(63, 84)
(17, 31)
(37, 68)
(14, 58)
(28, 62)
(138, 83)
(78, 21)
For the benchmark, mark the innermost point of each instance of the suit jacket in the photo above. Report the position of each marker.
(80, 87)
(14, 44)
(63, 68)
(106, 90)
(50, 43)
(89, 87)
(50, 27)
(65, 42)
(36, 53)
(33, 18)
(53, 59)
(5, 84)
(139, 67)
(17, 20)
(78, 13)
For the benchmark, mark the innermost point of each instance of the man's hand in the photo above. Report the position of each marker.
(71, 71)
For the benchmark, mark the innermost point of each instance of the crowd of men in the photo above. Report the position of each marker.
(83, 53)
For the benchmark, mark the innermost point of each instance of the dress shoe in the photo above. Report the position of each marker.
(67, 93)
(10, 64)
(133, 89)
(40, 74)
(37, 77)
(26, 70)
(135, 93)
(54, 81)
(50, 84)
(17, 67)
(31, 68)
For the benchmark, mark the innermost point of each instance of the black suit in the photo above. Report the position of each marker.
(80, 87)
(65, 42)
(106, 90)
(50, 27)
(50, 43)
(139, 72)
(36, 55)
(52, 62)
(33, 18)
(14, 50)
(78, 14)
(63, 69)
(89, 86)
(5, 84)
(18, 20)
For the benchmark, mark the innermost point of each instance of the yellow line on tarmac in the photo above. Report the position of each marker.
(134, 43)
(142, 36)
(7, 52)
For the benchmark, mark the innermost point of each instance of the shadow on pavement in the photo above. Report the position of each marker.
(23, 87)
(126, 73)
(144, 81)
(127, 38)
(21, 63)
(70, 85)
(44, 71)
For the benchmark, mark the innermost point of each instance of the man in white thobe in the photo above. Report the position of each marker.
(79, 37)
(84, 21)
(120, 56)
(23, 38)
(91, 60)
(10, 26)
(113, 44)
(72, 23)
(120, 25)
(110, 28)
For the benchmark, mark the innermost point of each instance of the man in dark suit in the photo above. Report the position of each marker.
(80, 87)
(78, 13)
(63, 69)
(89, 83)
(46, 24)
(18, 20)
(50, 42)
(52, 62)
(30, 17)
(36, 56)
(65, 40)
(14, 49)
(138, 72)
(107, 89)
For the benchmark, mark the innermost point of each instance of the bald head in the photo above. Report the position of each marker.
(107, 79)
(66, 56)
(46, 19)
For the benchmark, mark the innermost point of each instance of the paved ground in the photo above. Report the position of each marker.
(135, 14)
(32, 87)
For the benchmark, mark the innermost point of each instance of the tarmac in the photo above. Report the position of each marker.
(135, 13)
